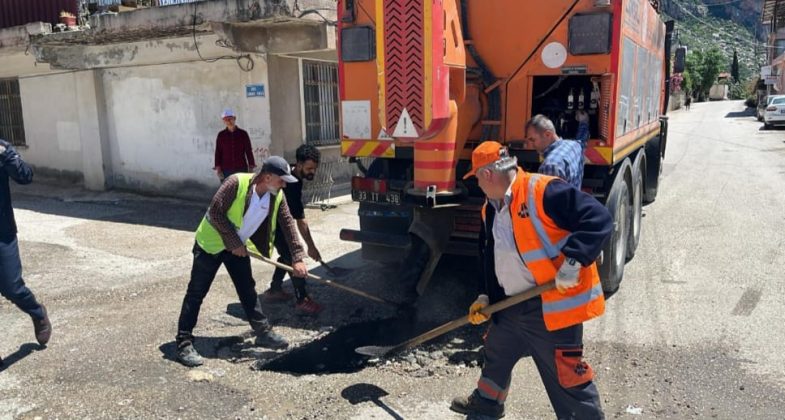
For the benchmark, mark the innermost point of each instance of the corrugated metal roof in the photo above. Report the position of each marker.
(20, 12)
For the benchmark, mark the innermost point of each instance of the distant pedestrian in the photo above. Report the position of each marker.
(233, 150)
(12, 286)
(688, 101)
(307, 163)
(561, 158)
(244, 212)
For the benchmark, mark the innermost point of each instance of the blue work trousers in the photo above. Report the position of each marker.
(12, 286)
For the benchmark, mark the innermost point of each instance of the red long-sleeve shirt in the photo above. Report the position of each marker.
(233, 151)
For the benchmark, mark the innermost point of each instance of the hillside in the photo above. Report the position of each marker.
(724, 24)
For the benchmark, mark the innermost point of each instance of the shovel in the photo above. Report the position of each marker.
(326, 282)
(379, 351)
(335, 271)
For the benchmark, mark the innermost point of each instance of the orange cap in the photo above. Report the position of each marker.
(484, 154)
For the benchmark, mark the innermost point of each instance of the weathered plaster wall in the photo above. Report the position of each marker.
(163, 120)
(51, 119)
(285, 93)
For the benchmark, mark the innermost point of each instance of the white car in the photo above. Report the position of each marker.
(775, 112)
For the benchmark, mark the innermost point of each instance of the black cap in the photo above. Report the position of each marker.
(278, 166)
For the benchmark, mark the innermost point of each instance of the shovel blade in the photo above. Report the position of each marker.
(373, 351)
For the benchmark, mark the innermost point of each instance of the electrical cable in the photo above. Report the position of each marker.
(317, 11)
(244, 61)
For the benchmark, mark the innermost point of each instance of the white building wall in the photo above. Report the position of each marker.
(163, 120)
(51, 117)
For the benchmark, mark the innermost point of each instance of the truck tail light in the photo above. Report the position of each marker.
(369, 184)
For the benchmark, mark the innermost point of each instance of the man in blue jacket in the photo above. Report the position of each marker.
(12, 286)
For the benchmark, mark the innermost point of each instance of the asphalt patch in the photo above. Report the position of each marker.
(334, 353)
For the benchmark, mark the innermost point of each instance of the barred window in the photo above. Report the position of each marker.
(320, 97)
(12, 128)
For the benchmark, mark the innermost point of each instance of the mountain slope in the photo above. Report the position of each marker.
(727, 25)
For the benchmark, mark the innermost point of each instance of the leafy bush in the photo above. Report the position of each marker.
(739, 91)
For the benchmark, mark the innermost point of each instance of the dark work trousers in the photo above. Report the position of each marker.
(519, 330)
(230, 172)
(202, 275)
(285, 257)
(12, 286)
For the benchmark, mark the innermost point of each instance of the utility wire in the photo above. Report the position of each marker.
(244, 61)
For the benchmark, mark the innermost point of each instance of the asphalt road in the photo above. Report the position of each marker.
(694, 332)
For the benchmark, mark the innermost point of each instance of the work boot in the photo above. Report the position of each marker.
(271, 340)
(307, 306)
(275, 296)
(187, 354)
(475, 404)
(43, 328)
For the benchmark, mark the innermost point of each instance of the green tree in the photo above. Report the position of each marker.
(734, 68)
(704, 67)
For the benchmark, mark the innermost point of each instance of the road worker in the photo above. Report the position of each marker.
(560, 157)
(308, 158)
(246, 210)
(537, 228)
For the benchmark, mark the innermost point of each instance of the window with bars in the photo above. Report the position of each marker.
(320, 98)
(12, 128)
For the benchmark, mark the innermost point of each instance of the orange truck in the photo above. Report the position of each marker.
(422, 82)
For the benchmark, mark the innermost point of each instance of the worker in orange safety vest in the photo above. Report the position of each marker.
(537, 228)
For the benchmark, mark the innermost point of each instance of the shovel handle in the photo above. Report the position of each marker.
(324, 281)
(459, 322)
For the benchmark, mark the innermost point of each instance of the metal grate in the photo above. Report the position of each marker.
(12, 127)
(606, 87)
(320, 95)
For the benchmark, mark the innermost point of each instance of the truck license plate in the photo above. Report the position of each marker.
(391, 197)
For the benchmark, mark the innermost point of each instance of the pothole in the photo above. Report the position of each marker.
(334, 353)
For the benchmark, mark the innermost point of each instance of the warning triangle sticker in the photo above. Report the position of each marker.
(383, 135)
(405, 126)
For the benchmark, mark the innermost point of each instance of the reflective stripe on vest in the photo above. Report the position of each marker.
(549, 249)
(573, 302)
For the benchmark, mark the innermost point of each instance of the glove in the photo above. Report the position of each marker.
(567, 277)
(581, 116)
(475, 316)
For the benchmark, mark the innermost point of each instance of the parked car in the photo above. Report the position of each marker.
(764, 102)
(775, 111)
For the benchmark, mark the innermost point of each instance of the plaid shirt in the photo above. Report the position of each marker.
(564, 158)
(223, 200)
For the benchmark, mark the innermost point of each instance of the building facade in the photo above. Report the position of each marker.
(134, 100)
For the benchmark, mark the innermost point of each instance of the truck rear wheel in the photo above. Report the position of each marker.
(654, 155)
(636, 210)
(615, 251)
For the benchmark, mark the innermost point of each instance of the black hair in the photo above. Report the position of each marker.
(307, 152)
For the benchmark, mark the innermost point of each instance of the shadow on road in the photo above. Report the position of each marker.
(749, 112)
(234, 348)
(169, 214)
(359, 393)
(24, 351)
(771, 128)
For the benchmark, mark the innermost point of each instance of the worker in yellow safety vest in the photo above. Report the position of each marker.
(245, 212)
